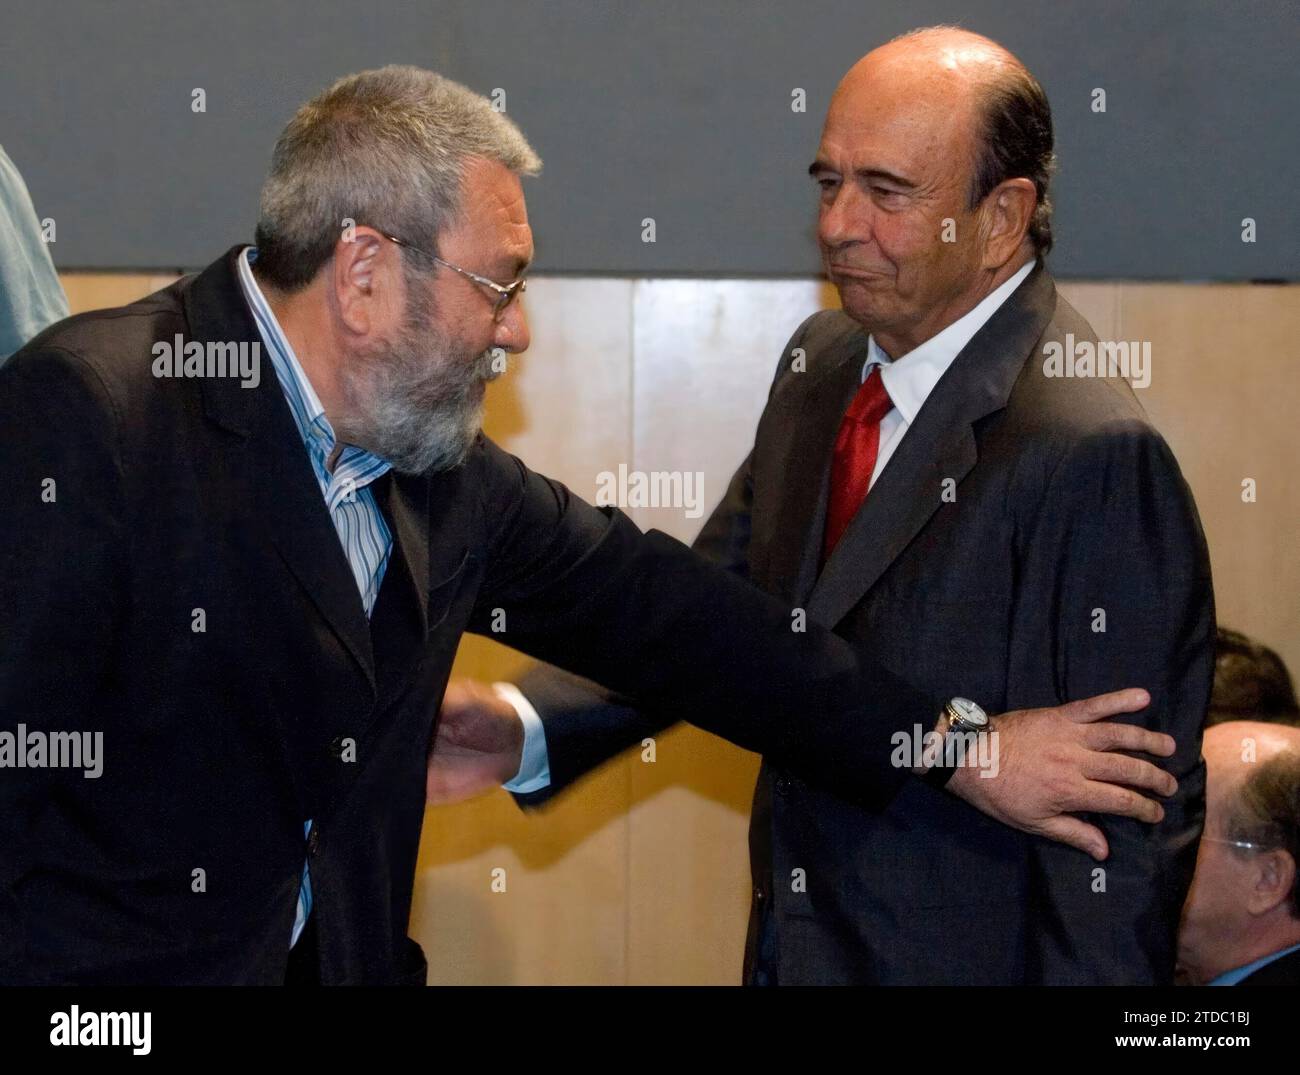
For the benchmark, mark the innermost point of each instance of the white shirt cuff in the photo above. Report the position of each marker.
(535, 764)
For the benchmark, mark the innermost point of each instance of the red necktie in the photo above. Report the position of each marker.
(856, 448)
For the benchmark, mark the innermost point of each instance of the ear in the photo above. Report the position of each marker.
(366, 279)
(1008, 209)
(1274, 881)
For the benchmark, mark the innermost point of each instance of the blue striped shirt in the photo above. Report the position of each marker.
(362, 531)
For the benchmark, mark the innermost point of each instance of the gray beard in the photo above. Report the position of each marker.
(418, 401)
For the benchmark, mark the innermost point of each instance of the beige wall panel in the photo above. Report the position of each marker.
(1098, 303)
(563, 916)
(562, 407)
(100, 290)
(705, 353)
(1225, 387)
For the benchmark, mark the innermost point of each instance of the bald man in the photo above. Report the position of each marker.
(1241, 924)
(926, 482)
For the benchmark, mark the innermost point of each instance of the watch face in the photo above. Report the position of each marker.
(971, 714)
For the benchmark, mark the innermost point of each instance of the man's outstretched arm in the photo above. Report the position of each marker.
(583, 588)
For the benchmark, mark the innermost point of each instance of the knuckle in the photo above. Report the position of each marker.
(1065, 757)
(1097, 736)
(1144, 739)
(1061, 791)
(1159, 779)
(1140, 739)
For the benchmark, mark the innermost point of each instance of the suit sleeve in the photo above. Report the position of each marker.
(586, 724)
(60, 483)
(1135, 608)
(583, 588)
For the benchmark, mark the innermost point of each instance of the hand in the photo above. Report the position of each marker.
(478, 744)
(1052, 762)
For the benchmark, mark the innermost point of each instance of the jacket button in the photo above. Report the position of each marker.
(783, 785)
(313, 841)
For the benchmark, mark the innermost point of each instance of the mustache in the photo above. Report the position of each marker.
(485, 366)
(455, 382)
(404, 367)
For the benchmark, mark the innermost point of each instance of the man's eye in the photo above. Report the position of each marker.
(827, 184)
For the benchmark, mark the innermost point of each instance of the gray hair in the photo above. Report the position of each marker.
(1267, 812)
(385, 148)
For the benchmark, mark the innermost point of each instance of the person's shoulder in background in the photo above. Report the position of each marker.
(31, 297)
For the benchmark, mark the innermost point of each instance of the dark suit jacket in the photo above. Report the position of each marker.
(1067, 502)
(181, 862)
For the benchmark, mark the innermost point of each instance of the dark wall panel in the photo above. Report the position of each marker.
(676, 110)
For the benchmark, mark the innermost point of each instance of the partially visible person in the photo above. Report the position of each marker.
(1241, 923)
(1250, 683)
(31, 297)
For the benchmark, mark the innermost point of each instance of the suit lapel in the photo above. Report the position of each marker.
(795, 537)
(404, 500)
(287, 497)
(291, 506)
(940, 445)
(900, 503)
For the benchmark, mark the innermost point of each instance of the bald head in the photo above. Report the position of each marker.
(1243, 904)
(1235, 750)
(934, 164)
(942, 60)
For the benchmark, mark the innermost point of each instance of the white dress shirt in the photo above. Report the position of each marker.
(909, 380)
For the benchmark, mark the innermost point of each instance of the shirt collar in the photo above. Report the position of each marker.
(1232, 977)
(909, 380)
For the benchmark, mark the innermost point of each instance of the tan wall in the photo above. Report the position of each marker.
(639, 875)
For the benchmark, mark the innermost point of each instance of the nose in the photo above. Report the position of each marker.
(512, 330)
(844, 220)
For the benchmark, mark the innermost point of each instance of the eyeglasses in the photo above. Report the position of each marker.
(1245, 845)
(505, 294)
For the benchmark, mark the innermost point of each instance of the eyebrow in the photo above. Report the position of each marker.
(819, 166)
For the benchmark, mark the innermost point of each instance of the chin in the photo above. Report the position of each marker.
(864, 311)
(445, 446)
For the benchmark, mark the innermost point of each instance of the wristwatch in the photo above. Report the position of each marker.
(962, 715)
